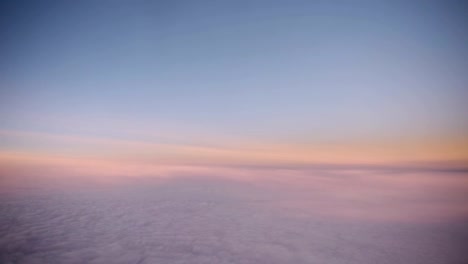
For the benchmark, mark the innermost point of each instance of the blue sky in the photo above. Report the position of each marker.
(306, 71)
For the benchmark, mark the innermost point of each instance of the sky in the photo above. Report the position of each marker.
(140, 87)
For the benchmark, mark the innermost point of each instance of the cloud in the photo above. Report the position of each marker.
(215, 220)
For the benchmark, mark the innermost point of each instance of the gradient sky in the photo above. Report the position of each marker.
(251, 83)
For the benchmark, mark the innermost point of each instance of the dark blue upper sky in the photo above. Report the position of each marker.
(288, 70)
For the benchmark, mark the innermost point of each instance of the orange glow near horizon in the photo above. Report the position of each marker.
(370, 175)
(241, 152)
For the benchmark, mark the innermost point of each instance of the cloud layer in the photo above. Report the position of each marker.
(211, 220)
